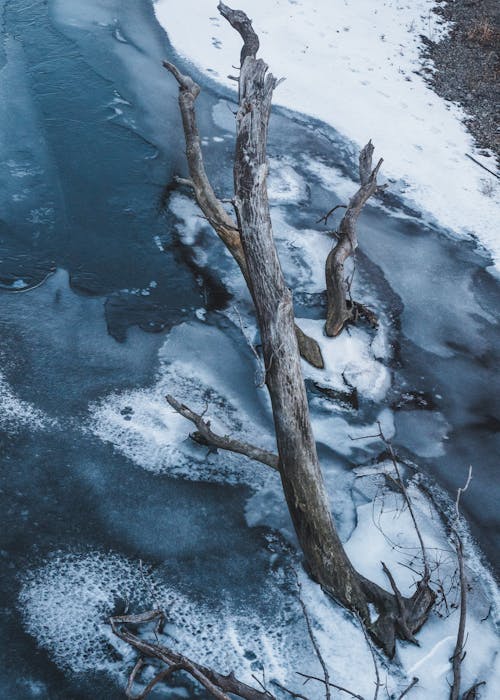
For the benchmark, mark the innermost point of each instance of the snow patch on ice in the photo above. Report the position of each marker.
(17, 414)
(373, 52)
(67, 601)
(350, 360)
(202, 367)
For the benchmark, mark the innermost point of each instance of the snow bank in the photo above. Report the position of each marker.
(369, 53)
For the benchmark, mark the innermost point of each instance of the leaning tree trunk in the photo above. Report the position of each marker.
(297, 458)
(299, 466)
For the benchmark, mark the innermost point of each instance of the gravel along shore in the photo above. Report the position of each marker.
(468, 66)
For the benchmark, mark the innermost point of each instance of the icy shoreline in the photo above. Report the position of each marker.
(371, 55)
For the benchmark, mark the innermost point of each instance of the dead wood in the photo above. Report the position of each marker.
(472, 693)
(407, 690)
(206, 436)
(252, 239)
(332, 685)
(223, 224)
(459, 651)
(217, 684)
(340, 308)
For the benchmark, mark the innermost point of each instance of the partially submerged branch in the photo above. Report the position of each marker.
(220, 686)
(206, 436)
(340, 308)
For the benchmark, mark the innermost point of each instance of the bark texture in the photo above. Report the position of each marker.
(299, 466)
(340, 307)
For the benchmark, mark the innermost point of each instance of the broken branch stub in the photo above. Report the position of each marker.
(222, 442)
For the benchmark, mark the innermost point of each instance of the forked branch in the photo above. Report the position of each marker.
(220, 686)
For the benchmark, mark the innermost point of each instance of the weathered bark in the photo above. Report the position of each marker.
(225, 227)
(299, 467)
(340, 308)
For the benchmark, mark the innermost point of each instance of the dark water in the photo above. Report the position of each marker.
(83, 188)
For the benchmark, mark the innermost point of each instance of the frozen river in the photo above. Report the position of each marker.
(90, 140)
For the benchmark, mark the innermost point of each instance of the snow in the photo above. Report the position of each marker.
(370, 53)
(350, 360)
(17, 414)
(201, 367)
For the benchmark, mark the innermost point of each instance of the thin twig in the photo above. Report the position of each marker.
(374, 659)
(332, 685)
(458, 654)
(326, 216)
(408, 501)
(483, 166)
(407, 690)
(313, 639)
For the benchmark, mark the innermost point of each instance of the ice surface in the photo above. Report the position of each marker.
(17, 414)
(27, 187)
(66, 603)
(372, 53)
(204, 368)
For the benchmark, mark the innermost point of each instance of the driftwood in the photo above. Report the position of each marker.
(251, 241)
(340, 307)
(217, 684)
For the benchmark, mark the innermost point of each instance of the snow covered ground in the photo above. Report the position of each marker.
(353, 64)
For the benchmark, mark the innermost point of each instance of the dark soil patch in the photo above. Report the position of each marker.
(468, 66)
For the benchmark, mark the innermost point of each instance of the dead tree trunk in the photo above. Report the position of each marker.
(340, 307)
(299, 467)
(297, 458)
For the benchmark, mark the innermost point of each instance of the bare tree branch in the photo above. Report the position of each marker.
(326, 216)
(217, 684)
(339, 309)
(401, 483)
(472, 693)
(407, 690)
(243, 25)
(222, 442)
(459, 654)
(332, 685)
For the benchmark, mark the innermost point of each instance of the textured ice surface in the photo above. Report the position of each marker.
(204, 368)
(67, 601)
(16, 414)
